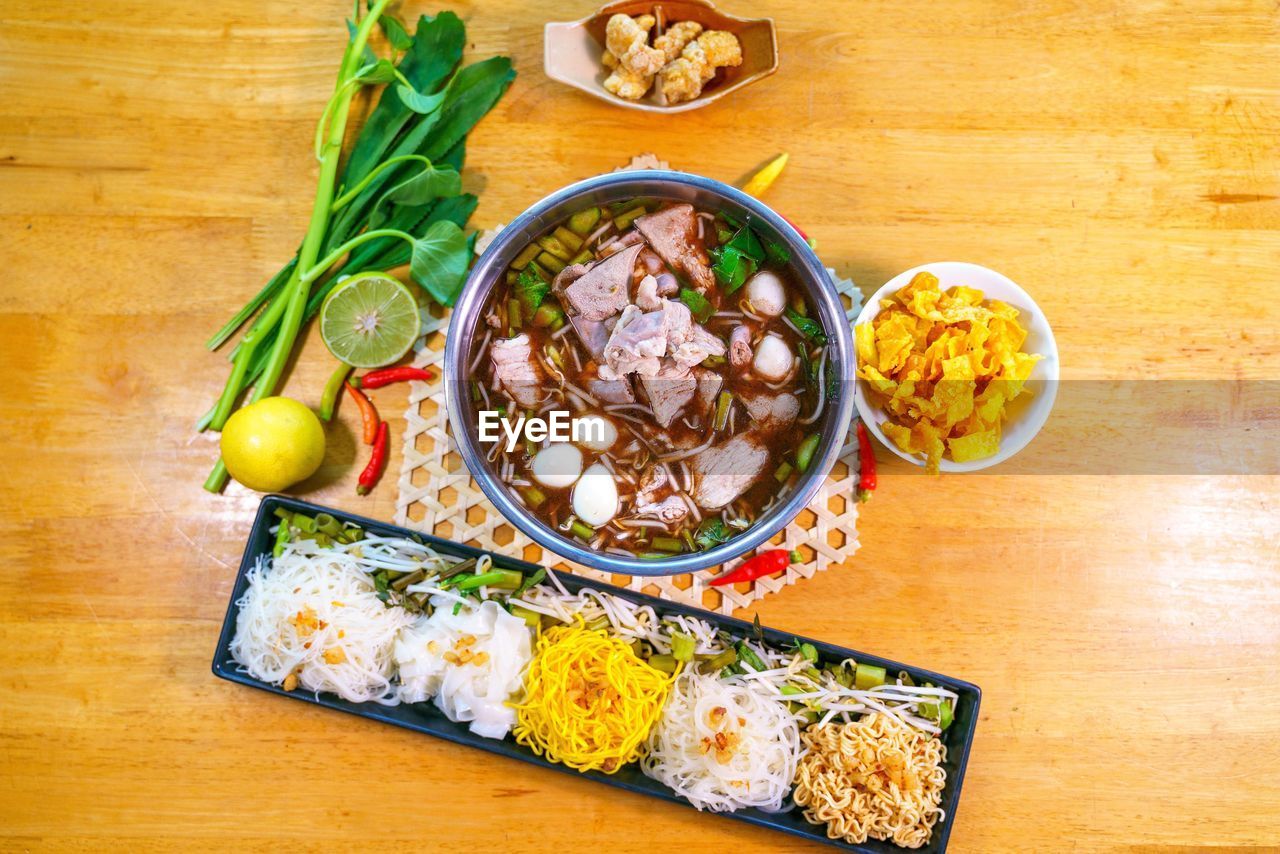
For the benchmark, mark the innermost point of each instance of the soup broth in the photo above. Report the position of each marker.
(691, 359)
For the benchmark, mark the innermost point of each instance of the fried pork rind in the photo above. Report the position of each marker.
(944, 366)
(628, 53)
(682, 79)
(679, 34)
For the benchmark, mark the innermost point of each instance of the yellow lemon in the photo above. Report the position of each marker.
(272, 444)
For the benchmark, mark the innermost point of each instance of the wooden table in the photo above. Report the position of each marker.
(1119, 160)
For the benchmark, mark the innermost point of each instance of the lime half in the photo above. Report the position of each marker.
(369, 320)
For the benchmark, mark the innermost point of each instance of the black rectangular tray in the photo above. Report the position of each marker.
(425, 717)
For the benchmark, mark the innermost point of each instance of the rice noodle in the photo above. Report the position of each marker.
(724, 745)
(562, 331)
(313, 614)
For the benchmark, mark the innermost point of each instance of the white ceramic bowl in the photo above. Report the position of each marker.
(1027, 414)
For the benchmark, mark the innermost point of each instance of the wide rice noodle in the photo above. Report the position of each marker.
(874, 778)
(589, 702)
(312, 613)
(724, 744)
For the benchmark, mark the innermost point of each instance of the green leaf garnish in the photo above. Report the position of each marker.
(531, 290)
(439, 261)
(699, 306)
(808, 327)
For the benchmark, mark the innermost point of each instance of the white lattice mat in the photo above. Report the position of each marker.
(438, 496)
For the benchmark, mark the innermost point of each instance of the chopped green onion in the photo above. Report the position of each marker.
(328, 524)
(304, 523)
(533, 496)
(580, 529)
(783, 472)
(583, 222)
(682, 646)
(282, 538)
(513, 316)
(748, 656)
(722, 410)
(804, 454)
(532, 580)
(667, 544)
(507, 578)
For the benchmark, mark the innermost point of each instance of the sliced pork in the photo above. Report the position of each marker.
(604, 288)
(726, 470)
(669, 391)
(516, 369)
(772, 412)
(673, 234)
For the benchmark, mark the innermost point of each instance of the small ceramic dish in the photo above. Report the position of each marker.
(572, 51)
(1028, 412)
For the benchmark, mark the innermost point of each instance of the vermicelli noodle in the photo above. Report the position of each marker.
(589, 702)
(873, 778)
(311, 618)
(724, 744)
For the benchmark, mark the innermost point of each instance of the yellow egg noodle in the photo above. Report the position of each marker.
(589, 702)
(596, 682)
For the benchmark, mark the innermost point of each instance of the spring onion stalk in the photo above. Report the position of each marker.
(287, 308)
(506, 578)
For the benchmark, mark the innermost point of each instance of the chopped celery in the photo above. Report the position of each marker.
(783, 472)
(723, 660)
(531, 618)
(583, 257)
(555, 247)
(583, 222)
(548, 314)
(583, 530)
(551, 262)
(624, 219)
(513, 316)
(810, 652)
(568, 239)
(867, 676)
(526, 255)
(804, 454)
(665, 663)
(682, 646)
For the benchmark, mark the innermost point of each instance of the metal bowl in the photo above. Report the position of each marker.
(674, 186)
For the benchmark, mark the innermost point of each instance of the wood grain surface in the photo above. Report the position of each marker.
(1117, 159)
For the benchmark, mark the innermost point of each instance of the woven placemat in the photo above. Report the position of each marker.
(438, 496)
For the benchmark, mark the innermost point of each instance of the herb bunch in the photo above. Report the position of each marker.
(397, 200)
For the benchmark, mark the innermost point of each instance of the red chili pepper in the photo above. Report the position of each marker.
(765, 563)
(386, 376)
(367, 413)
(866, 464)
(377, 461)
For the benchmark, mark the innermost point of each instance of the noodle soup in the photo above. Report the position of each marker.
(679, 339)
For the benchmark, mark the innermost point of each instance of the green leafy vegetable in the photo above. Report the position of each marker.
(699, 306)
(711, 533)
(398, 200)
(808, 327)
(530, 289)
(731, 267)
(776, 252)
(439, 261)
(746, 242)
